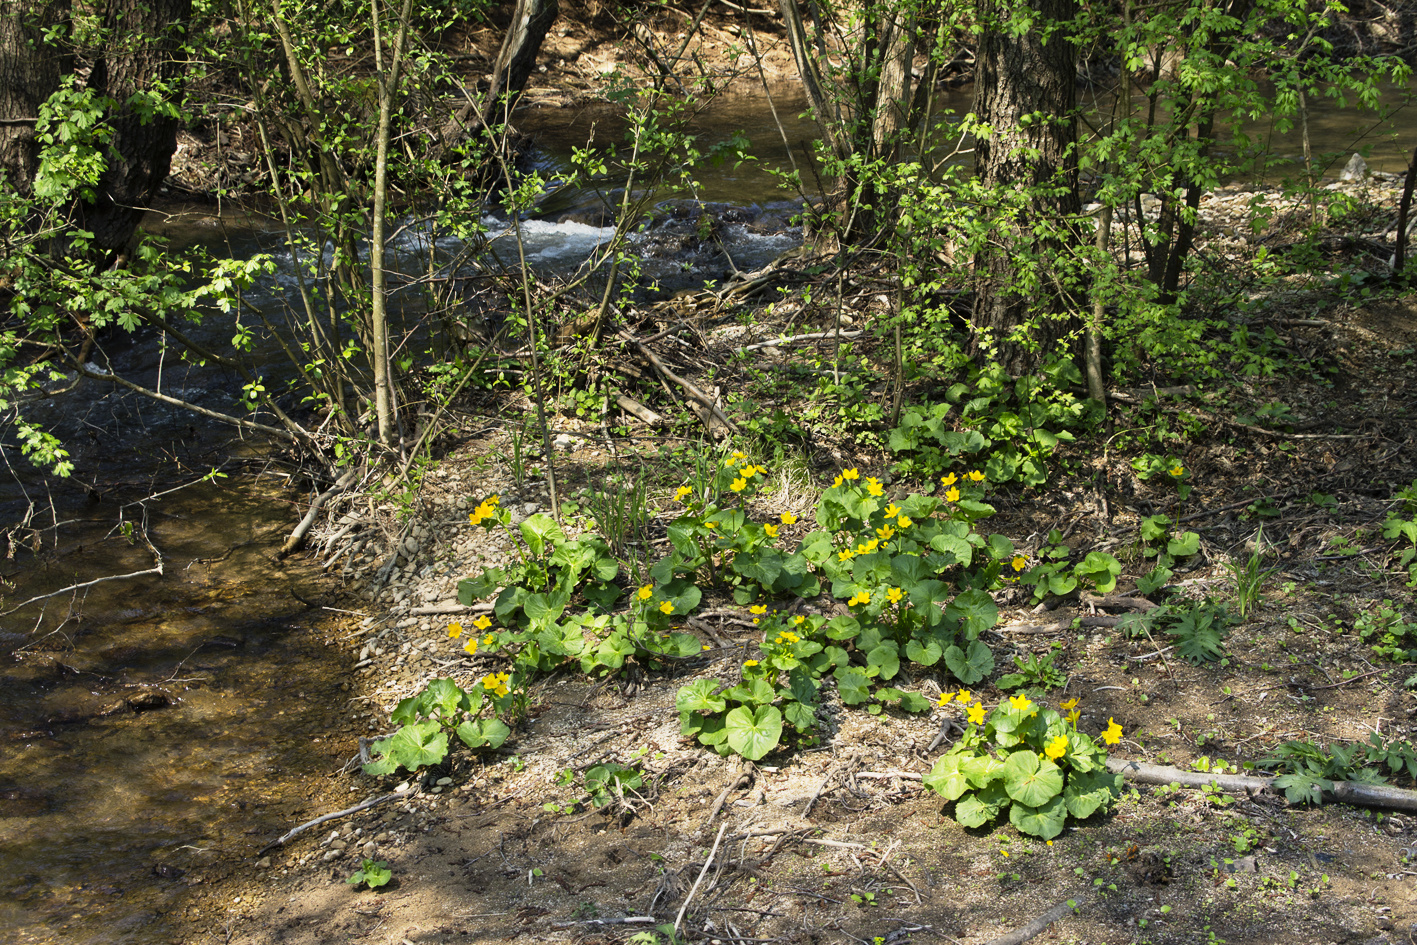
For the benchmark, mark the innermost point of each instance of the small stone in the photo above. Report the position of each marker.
(264, 863)
(332, 856)
(1355, 169)
(444, 782)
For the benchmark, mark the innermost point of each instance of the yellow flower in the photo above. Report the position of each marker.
(874, 487)
(482, 623)
(945, 698)
(863, 596)
(1072, 717)
(739, 484)
(1057, 748)
(976, 713)
(788, 518)
(885, 531)
(799, 620)
(1019, 562)
(770, 530)
(836, 482)
(1114, 732)
(1177, 470)
(454, 629)
(470, 647)
(666, 608)
(894, 595)
(1020, 702)
(491, 501)
(681, 493)
(710, 524)
(892, 511)
(849, 474)
(748, 663)
(975, 476)
(646, 592)
(730, 462)
(949, 479)
(905, 521)
(758, 609)
(475, 517)
(489, 640)
(952, 494)
(964, 695)
(1070, 704)
(846, 554)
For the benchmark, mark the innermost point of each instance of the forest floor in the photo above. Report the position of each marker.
(841, 843)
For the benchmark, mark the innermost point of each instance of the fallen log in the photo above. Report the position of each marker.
(1359, 794)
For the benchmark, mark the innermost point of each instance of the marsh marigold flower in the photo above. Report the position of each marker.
(1177, 470)
(836, 482)
(975, 476)
(894, 595)
(945, 698)
(646, 592)
(1020, 702)
(952, 494)
(905, 521)
(1114, 732)
(1019, 562)
(454, 629)
(739, 484)
(873, 486)
(681, 493)
(787, 518)
(482, 623)
(758, 609)
(749, 663)
(850, 474)
(891, 511)
(666, 608)
(770, 530)
(976, 713)
(885, 532)
(949, 479)
(1057, 748)
(470, 647)
(964, 696)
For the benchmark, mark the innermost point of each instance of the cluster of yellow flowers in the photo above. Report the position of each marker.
(1113, 734)
(746, 471)
(847, 475)
(496, 683)
(682, 493)
(860, 597)
(787, 637)
(757, 610)
(1056, 748)
(948, 480)
(1070, 711)
(485, 510)
(481, 623)
(964, 697)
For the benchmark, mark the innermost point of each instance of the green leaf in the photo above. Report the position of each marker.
(411, 747)
(981, 807)
(946, 779)
(981, 770)
(1044, 822)
(1030, 780)
(800, 716)
(753, 733)
(445, 695)
(1087, 793)
(700, 696)
(471, 590)
(976, 611)
(853, 685)
(956, 547)
(485, 733)
(1186, 543)
(885, 659)
(1101, 569)
(926, 654)
(971, 666)
(373, 873)
(540, 530)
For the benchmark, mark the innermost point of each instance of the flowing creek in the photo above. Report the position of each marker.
(156, 732)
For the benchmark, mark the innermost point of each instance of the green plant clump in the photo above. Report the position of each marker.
(1029, 760)
(372, 873)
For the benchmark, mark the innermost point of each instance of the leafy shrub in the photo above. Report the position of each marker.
(1029, 760)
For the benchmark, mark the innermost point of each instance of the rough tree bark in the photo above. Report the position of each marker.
(531, 21)
(1026, 98)
(30, 69)
(141, 55)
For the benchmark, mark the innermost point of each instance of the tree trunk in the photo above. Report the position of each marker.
(140, 58)
(1026, 99)
(531, 21)
(30, 69)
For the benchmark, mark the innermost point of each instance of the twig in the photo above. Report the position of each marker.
(157, 569)
(297, 537)
(679, 919)
(813, 336)
(628, 920)
(1018, 936)
(328, 817)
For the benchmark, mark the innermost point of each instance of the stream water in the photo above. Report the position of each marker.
(157, 731)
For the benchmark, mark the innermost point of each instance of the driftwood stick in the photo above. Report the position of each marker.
(1348, 792)
(779, 342)
(297, 537)
(663, 370)
(1018, 936)
(679, 919)
(373, 801)
(157, 569)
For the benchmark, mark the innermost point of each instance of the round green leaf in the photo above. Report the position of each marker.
(1031, 781)
(1044, 822)
(753, 733)
(946, 779)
